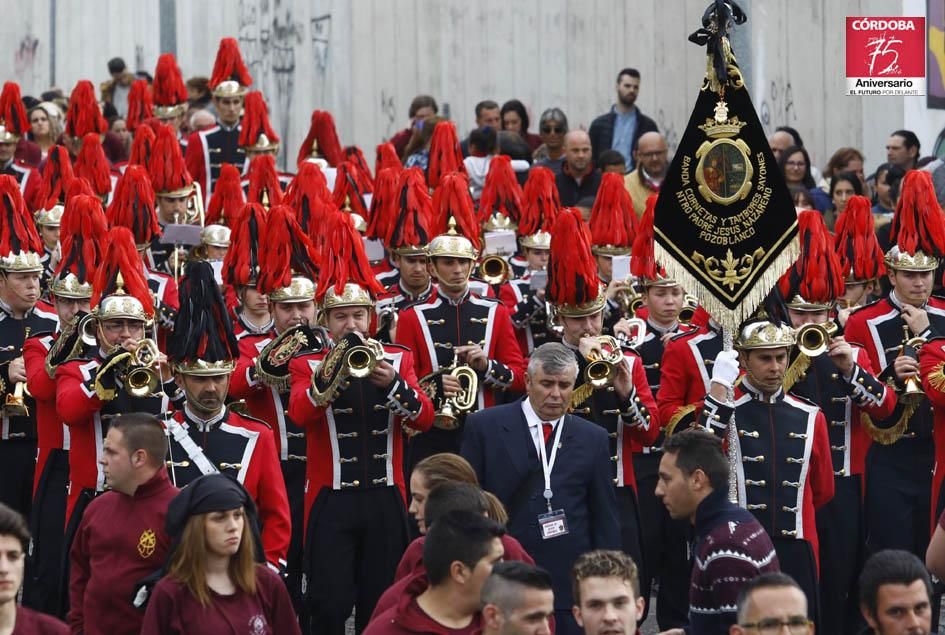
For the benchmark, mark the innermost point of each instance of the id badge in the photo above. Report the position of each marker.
(553, 524)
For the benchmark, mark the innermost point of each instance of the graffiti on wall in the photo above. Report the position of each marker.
(777, 105)
(25, 58)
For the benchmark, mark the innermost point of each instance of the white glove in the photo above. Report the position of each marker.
(725, 368)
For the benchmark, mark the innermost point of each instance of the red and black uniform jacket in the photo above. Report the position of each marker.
(29, 180)
(51, 432)
(686, 371)
(784, 472)
(356, 441)
(396, 299)
(433, 329)
(244, 449)
(12, 339)
(208, 150)
(528, 313)
(120, 540)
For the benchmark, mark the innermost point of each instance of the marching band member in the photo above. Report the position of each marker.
(613, 225)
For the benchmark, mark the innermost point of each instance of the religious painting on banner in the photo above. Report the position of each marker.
(725, 224)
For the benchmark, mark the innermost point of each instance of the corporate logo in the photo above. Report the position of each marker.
(885, 55)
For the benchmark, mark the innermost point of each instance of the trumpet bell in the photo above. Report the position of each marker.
(813, 339)
(912, 394)
(599, 374)
(361, 362)
(142, 382)
(494, 270)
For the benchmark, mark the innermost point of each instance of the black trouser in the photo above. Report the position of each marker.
(18, 458)
(42, 584)
(293, 472)
(631, 538)
(666, 545)
(841, 535)
(433, 441)
(86, 497)
(898, 496)
(354, 541)
(796, 558)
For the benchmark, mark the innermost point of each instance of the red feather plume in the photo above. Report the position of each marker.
(285, 249)
(227, 199)
(411, 226)
(858, 249)
(140, 104)
(133, 205)
(541, 203)
(642, 258)
(453, 200)
(308, 194)
(84, 115)
(613, 221)
(57, 177)
(385, 202)
(572, 268)
(17, 230)
(142, 146)
(92, 164)
(322, 130)
(241, 263)
(386, 158)
(345, 260)
(79, 185)
(121, 256)
(12, 113)
(167, 168)
(816, 275)
(918, 223)
(348, 187)
(446, 155)
(263, 176)
(83, 237)
(501, 191)
(168, 87)
(354, 156)
(229, 65)
(256, 121)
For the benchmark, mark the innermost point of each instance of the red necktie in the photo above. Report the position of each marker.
(546, 429)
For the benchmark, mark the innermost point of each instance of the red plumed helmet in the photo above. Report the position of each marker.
(241, 263)
(79, 186)
(91, 164)
(57, 177)
(858, 250)
(345, 260)
(167, 169)
(256, 133)
(451, 199)
(264, 186)
(411, 228)
(354, 156)
(572, 270)
(18, 232)
(142, 146)
(227, 199)
(308, 195)
(348, 192)
(322, 140)
(386, 158)
(84, 115)
(918, 224)
(642, 258)
(385, 203)
(284, 249)
(121, 257)
(613, 221)
(83, 238)
(140, 105)
(816, 276)
(230, 76)
(13, 120)
(133, 205)
(446, 155)
(541, 203)
(501, 192)
(168, 88)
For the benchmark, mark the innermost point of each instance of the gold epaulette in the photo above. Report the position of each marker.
(677, 417)
(796, 371)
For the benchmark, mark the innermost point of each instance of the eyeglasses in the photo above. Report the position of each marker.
(796, 164)
(653, 155)
(796, 626)
(551, 130)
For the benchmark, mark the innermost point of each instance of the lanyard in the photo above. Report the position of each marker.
(548, 465)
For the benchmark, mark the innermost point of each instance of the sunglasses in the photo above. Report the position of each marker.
(551, 130)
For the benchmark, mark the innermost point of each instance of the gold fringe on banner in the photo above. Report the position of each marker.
(726, 317)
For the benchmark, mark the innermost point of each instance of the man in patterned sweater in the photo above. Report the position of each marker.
(731, 546)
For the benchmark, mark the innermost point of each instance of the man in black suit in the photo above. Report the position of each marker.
(550, 469)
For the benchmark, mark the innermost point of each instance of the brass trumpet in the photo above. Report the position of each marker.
(602, 367)
(360, 361)
(447, 416)
(141, 379)
(15, 404)
(912, 393)
(494, 270)
(691, 303)
(813, 339)
(629, 301)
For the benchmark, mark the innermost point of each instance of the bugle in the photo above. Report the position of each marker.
(813, 339)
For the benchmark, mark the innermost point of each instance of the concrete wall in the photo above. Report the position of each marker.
(364, 60)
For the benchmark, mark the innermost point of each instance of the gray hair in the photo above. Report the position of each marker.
(554, 114)
(553, 358)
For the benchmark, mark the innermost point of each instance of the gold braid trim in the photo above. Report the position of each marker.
(796, 371)
(888, 436)
(937, 377)
(581, 394)
(677, 417)
(107, 394)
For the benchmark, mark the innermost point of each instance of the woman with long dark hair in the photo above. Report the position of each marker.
(214, 582)
(796, 167)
